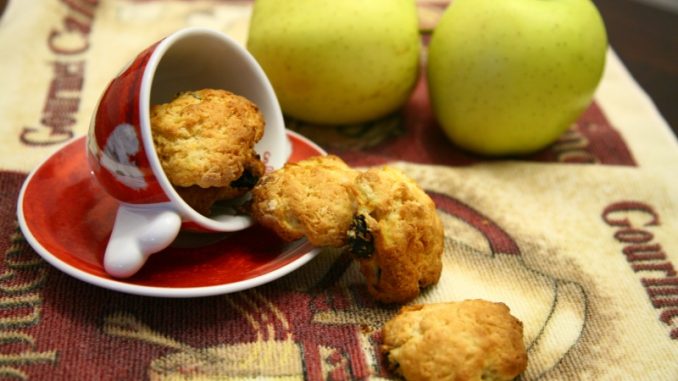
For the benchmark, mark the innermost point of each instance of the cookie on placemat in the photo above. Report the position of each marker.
(472, 340)
(206, 137)
(396, 235)
(310, 198)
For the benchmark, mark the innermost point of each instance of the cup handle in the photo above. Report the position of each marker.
(138, 232)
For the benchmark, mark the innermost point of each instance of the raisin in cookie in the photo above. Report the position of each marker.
(202, 199)
(396, 235)
(472, 340)
(310, 198)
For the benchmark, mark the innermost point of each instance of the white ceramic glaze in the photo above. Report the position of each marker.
(139, 231)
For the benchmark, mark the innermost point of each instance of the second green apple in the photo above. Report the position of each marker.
(337, 62)
(510, 76)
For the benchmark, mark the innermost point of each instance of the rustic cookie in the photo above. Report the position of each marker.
(472, 340)
(310, 198)
(206, 138)
(396, 235)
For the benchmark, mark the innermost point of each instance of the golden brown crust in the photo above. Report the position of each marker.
(206, 137)
(407, 231)
(310, 198)
(471, 340)
(388, 221)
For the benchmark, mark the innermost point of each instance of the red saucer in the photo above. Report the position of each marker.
(67, 218)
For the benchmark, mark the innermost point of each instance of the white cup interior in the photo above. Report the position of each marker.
(197, 58)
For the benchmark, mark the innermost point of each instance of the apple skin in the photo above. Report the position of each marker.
(337, 62)
(509, 77)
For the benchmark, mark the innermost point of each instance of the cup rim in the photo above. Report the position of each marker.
(238, 222)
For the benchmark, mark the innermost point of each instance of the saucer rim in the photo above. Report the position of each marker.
(154, 291)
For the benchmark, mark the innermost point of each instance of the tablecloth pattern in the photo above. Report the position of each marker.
(579, 240)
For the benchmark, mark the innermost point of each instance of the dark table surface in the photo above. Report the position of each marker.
(646, 39)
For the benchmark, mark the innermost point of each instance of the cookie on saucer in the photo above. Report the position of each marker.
(311, 198)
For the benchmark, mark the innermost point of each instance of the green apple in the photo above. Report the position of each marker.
(510, 76)
(337, 61)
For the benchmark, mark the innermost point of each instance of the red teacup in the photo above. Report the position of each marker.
(120, 145)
